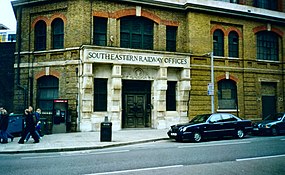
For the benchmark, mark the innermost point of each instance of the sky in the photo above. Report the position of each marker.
(7, 16)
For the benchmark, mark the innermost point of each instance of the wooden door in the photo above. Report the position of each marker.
(268, 105)
(135, 110)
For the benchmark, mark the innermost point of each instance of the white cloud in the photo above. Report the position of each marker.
(7, 16)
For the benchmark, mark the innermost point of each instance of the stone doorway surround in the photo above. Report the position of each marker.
(118, 64)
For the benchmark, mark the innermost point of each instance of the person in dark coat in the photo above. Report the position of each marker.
(4, 125)
(38, 126)
(31, 123)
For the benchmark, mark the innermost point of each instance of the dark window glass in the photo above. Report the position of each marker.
(218, 43)
(11, 37)
(233, 44)
(40, 35)
(47, 91)
(100, 31)
(267, 46)
(231, 1)
(136, 32)
(171, 38)
(266, 4)
(227, 94)
(57, 27)
(171, 96)
(100, 94)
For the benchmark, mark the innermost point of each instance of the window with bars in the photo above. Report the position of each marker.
(227, 94)
(100, 94)
(218, 43)
(171, 96)
(266, 4)
(100, 31)
(267, 46)
(171, 32)
(233, 44)
(136, 33)
(40, 35)
(57, 27)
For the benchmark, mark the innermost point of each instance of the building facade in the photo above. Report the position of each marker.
(148, 63)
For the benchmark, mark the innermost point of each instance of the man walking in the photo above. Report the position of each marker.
(31, 123)
(4, 125)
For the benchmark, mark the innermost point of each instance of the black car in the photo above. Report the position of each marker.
(210, 125)
(273, 124)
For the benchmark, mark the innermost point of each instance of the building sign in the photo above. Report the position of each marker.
(133, 58)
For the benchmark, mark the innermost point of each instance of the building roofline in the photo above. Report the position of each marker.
(218, 7)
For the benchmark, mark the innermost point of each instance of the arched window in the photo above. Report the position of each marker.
(40, 35)
(233, 44)
(57, 27)
(267, 46)
(136, 32)
(47, 88)
(227, 94)
(218, 43)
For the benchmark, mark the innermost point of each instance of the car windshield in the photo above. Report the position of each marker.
(200, 118)
(274, 116)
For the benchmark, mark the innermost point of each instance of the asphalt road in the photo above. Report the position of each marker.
(252, 155)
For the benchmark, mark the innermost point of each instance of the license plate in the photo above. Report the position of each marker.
(255, 129)
(173, 134)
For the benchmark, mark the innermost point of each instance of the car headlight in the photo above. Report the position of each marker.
(267, 126)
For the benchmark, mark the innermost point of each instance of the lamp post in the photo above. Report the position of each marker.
(211, 86)
(212, 82)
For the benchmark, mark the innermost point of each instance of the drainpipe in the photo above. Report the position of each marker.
(19, 43)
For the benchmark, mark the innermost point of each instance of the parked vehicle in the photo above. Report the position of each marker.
(273, 124)
(210, 125)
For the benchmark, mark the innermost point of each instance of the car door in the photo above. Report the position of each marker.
(281, 125)
(229, 124)
(214, 127)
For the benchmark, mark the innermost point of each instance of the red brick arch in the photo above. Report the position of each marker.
(40, 18)
(47, 20)
(223, 77)
(264, 28)
(230, 29)
(216, 27)
(132, 12)
(58, 15)
(51, 73)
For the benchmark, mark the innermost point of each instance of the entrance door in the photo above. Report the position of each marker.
(135, 110)
(268, 105)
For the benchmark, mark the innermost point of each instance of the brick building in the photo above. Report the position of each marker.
(146, 63)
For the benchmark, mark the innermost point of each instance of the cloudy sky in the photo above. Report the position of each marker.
(7, 15)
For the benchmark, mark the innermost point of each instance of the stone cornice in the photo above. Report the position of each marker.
(217, 7)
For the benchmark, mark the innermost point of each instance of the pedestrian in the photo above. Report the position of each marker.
(3, 126)
(30, 127)
(38, 126)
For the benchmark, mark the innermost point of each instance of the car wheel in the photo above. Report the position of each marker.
(240, 133)
(274, 131)
(197, 137)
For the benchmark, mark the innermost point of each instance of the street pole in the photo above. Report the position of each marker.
(212, 82)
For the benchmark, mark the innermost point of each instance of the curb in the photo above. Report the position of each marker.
(47, 150)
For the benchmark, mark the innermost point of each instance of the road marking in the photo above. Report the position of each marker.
(137, 170)
(215, 144)
(80, 153)
(259, 158)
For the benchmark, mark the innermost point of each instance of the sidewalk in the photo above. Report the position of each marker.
(83, 141)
